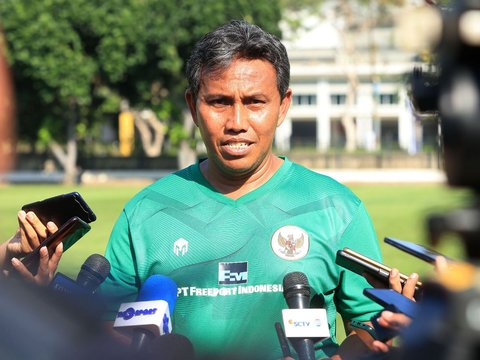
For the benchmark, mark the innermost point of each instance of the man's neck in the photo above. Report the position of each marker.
(235, 186)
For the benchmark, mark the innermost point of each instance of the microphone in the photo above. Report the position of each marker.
(296, 291)
(303, 326)
(150, 315)
(82, 292)
(92, 273)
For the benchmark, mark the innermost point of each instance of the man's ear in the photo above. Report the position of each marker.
(190, 100)
(284, 106)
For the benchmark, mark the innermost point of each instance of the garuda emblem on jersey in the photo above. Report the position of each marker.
(290, 242)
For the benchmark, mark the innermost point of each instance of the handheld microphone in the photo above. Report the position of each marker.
(296, 290)
(303, 326)
(150, 315)
(92, 273)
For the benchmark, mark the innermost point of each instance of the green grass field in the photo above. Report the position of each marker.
(397, 211)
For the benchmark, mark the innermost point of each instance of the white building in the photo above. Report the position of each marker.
(320, 69)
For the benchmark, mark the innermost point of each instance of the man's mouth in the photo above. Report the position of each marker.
(237, 145)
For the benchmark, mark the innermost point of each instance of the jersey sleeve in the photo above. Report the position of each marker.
(359, 236)
(121, 284)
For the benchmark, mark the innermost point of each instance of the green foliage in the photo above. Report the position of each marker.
(90, 54)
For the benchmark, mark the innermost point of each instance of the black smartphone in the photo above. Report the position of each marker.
(417, 250)
(61, 208)
(360, 264)
(393, 301)
(69, 233)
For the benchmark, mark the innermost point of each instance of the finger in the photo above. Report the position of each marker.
(22, 270)
(394, 280)
(409, 286)
(43, 273)
(441, 265)
(33, 232)
(29, 236)
(54, 260)
(395, 321)
(39, 227)
(51, 227)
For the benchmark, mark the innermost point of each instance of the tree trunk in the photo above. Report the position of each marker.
(348, 120)
(187, 155)
(152, 132)
(68, 157)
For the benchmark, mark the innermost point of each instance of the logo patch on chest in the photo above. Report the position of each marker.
(290, 242)
(180, 247)
(232, 273)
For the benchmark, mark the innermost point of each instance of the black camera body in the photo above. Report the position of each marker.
(452, 90)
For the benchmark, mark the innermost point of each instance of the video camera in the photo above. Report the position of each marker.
(450, 89)
(448, 326)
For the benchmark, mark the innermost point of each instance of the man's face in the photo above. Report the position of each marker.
(237, 111)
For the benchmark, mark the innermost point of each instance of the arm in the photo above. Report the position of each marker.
(30, 233)
(398, 321)
(351, 303)
(357, 344)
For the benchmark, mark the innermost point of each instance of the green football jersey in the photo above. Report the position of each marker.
(229, 257)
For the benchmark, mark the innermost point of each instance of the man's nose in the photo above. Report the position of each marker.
(238, 118)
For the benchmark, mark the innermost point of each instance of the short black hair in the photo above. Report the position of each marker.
(237, 39)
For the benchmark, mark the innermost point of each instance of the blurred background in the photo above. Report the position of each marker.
(99, 105)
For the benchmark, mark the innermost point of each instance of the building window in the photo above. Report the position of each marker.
(389, 134)
(338, 136)
(304, 133)
(304, 100)
(388, 99)
(338, 99)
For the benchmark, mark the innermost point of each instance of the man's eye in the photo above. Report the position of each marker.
(255, 101)
(219, 102)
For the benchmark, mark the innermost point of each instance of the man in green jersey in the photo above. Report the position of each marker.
(229, 228)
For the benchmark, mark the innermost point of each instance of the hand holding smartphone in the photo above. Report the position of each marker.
(68, 233)
(361, 264)
(394, 302)
(70, 213)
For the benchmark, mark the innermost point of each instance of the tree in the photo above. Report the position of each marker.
(75, 61)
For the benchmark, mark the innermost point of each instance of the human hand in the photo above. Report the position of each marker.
(29, 235)
(393, 321)
(47, 266)
(408, 288)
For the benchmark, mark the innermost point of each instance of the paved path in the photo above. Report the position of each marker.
(392, 176)
(386, 175)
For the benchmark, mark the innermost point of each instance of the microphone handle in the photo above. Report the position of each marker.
(141, 338)
(304, 348)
